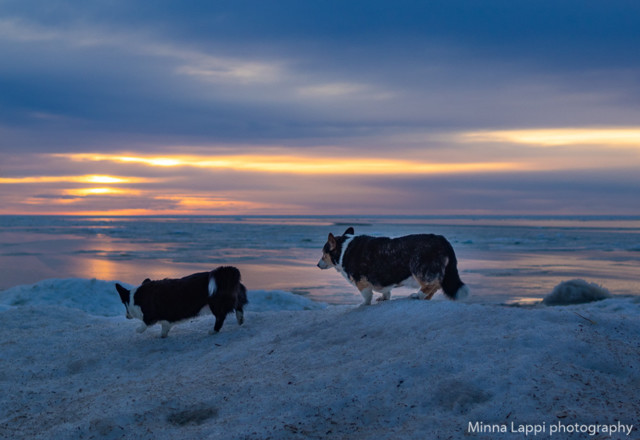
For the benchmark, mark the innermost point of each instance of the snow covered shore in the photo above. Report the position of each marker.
(72, 367)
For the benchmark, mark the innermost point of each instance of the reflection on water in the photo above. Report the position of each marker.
(501, 259)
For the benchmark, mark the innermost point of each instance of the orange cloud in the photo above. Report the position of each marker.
(92, 178)
(305, 164)
(101, 191)
(191, 202)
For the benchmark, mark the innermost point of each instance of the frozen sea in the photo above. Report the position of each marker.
(502, 259)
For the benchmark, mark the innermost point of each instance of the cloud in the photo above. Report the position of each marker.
(93, 179)
(611, 137)
(336, 185)
(302, 164)
(297, 105)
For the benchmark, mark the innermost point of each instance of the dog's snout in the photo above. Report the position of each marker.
(322, 264)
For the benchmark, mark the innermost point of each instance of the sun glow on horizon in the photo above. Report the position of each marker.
(91, 178)
(280, 179)
(550, 137)
(102, 191)
(194, 202)
(304, 164)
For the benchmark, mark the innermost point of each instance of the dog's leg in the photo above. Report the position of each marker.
(427, 288)
(386, 295)
(418, 294)
(429, 294)
(366, 290)
(166, 326)
(367, 294)
(218, 325)
(241, 301)
(142, 328)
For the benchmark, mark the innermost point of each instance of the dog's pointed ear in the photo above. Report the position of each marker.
(124, 293)
(349, 231)
(332, 242)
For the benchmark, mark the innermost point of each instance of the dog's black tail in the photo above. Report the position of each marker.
(241, 299)
(452, 285)
(224, 279)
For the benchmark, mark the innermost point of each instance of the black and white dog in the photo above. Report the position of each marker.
(169, 301)
(423, 261)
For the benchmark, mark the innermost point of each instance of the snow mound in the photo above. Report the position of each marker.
(99, 298)
(575, 292)
(95, 297)
(401, 369)
(273, 300)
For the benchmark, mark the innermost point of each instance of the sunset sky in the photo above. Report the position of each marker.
(320, 107)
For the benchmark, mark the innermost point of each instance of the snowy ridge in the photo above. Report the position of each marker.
(402, 369)
(97, 297)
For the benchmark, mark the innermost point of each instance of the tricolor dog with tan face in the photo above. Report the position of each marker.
(424, 261)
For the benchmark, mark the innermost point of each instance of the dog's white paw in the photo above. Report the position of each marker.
(166, 326)
(142, 328)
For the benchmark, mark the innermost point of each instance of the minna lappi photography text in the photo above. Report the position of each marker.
(556, 428)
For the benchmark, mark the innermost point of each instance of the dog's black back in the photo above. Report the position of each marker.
(383, 261)
(174, 300)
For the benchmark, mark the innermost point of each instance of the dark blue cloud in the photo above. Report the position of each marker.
(583, 31)
(560, 192)
(100, 70)
(578, 30)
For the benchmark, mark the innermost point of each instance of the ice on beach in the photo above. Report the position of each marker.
(97, 297)
(272, 300)
(576, 292)
(400, 369)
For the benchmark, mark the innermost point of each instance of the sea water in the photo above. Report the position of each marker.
(502, 259)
